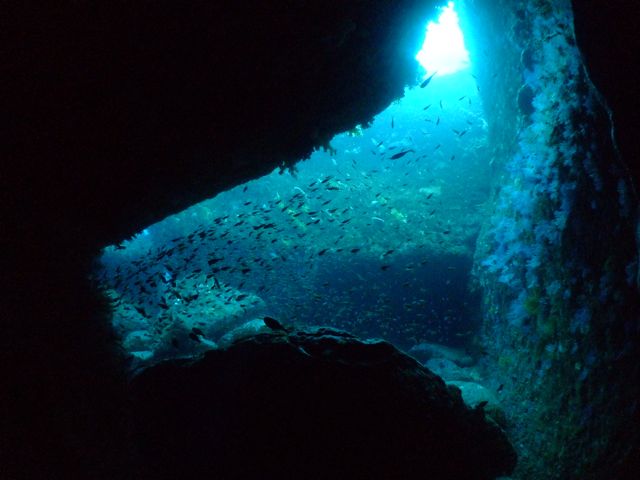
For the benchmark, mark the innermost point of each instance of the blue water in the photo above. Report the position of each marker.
(352, 238)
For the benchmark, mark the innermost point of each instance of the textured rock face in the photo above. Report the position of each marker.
(554, 318)
(317, 404)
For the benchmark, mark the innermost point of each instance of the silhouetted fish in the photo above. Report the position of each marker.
(427, 80)
(400, 154)
(273, 324)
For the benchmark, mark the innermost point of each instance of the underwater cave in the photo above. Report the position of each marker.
(336, 227)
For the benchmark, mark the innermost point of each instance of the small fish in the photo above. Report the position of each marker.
(355, 250)
(274, 324)
(427, 80)
(323, 251)
(400, 154)
(427, 107)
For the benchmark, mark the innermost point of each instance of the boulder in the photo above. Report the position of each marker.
(319, 403)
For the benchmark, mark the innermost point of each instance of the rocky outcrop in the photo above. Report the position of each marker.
(313, 404)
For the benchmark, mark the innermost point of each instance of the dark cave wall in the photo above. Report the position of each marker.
(608, 39)
(141, 110)
(557, 261)
(121, 114)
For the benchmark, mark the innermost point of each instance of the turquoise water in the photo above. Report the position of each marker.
(375, 235)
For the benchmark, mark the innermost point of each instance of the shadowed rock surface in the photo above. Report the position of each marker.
(314, 404)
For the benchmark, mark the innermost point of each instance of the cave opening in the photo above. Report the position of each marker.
(374, 234)
(443, 50)
(463, 224)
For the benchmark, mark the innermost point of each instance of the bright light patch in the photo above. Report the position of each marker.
(443, 49)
